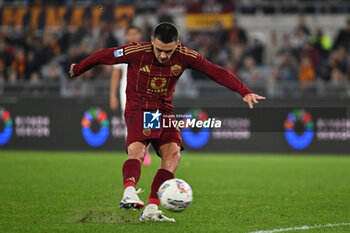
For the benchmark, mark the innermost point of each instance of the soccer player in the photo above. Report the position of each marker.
(153, 70)
(118, 78)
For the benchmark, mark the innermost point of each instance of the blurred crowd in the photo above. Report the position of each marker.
(303, 55)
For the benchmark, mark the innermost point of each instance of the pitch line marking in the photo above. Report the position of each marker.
(302, 228)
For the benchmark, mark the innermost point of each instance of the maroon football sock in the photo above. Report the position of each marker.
(161, 176)
(131, 172)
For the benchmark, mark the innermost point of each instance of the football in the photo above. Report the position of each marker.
(175, 195)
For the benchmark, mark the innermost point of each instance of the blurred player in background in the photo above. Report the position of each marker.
(153, 71)
(119, 76)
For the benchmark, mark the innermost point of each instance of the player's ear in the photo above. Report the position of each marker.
(152, 39)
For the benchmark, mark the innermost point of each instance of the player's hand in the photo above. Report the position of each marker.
(252, 99)
(113, 102)
(71, 73)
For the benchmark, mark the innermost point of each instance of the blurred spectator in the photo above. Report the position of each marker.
(286, 68)
(322, 42)
(18, 64)
(147, 29)
(297, 41)
(348, 67)
(63, 37)
(303, 27)
(256, 48)
(220, 33)
(272, 49)
(12, 75)
(249, 73)
(343, 37)
(32, 66)
(237, 35)
(335, 68)
(115, 35)
(307, 72)
(231, 66)
(6, 57)
(312, 54)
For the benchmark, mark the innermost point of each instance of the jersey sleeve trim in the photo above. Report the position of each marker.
(138, 48)
(183, 50)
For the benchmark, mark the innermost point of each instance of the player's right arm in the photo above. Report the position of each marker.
(220, 75)
(108, 56)
(115, 80)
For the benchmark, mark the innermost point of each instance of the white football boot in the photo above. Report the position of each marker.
(151, 213)
(131, 199)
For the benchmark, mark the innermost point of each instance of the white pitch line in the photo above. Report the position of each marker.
(302, 228)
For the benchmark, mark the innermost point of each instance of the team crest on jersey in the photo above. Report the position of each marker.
(146, 132)
(176, 69)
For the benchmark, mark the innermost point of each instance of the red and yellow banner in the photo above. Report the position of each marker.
(53, 16)
(197, 21)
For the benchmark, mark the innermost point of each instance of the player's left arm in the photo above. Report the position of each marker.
(224, 78)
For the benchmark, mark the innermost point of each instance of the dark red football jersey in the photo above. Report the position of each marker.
(151, 84)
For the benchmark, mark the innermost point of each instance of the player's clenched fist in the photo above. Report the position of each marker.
(71, 73)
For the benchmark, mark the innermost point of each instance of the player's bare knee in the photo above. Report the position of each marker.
(171, 151)
(170, 157)
(173, 155)
(176, 156)
(137, 151)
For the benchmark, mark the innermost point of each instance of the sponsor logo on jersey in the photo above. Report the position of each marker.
(158, 82)
(158, 85)
(118, 53)
(145, 69)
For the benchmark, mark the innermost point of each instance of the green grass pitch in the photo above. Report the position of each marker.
(80, 192)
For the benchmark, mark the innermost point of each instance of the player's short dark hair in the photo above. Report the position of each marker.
(130, 27)
(166, 32)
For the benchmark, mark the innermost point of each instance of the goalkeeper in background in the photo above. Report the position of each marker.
(118, 78)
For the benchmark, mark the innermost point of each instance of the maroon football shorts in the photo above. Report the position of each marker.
(157, 137)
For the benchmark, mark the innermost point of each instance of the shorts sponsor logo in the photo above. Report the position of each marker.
(296, 141)
(151, 119)
(118, 53)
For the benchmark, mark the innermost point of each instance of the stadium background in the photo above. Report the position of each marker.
(296, 53)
